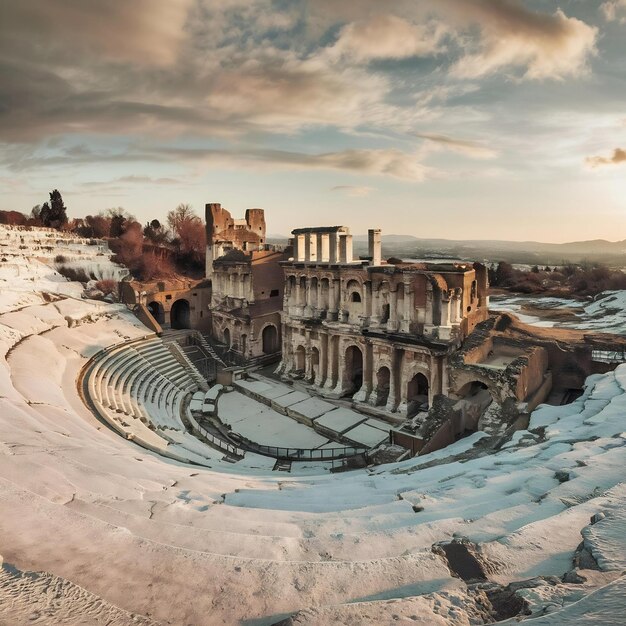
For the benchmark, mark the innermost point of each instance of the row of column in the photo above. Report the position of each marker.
(326, 366)
(231, 285)
(315, 297)
(319, 247)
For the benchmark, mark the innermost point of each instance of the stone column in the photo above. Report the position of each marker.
(308, 310)
(308, 365)
(409, 308)
(331, 360)
(310, 247)
(333, 252)
(334, 298)
(299, 250)
(322, 368)
(374, 245)
(366, 304)
(392, 324)
(323, 247)
(394, 380)
(375, 315)
(343, 248)
(341, 368)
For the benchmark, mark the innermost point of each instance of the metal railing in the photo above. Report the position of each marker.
(219, 443)
(609, 356)
(300, 454)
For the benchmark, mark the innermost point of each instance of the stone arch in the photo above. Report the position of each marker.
(157, 311)
(354, 300)
(383, 380)
(324, 294)
(417, 394)
(384, 307)
(315, 362)
(243, 344)
(353, 369)
(302, 289)
(180, 314)
(269, 338)
(472, 388)
(226, 338)
(299, 357)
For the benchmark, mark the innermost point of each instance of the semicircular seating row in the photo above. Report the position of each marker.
(141, 390)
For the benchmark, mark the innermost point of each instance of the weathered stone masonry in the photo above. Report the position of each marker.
(377, 332)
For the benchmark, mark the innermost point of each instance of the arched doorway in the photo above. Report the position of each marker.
(157, 311)
(417, 395)
(180, 315)
(383, 376)
(315, 363)
(244, 344)
(353, 373)
(270, 340)
(226, 336)
(471, 389)
(300, 358)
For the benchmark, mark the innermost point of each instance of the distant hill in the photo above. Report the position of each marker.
(492, 250)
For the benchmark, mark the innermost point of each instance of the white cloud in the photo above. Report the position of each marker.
(353, 191)
(388, 37)
(542, 46)
(614, 10)
(472, 149)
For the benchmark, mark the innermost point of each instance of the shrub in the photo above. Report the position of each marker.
(107, 286)
(59, 258)
(74, 274)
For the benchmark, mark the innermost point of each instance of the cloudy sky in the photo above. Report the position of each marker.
(439, 118)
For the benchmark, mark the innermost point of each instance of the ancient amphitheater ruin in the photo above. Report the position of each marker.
(147, 477)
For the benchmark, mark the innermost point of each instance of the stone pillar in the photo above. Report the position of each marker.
(323, 247)
(333, 252)
(374, 245)
(331, 360)
(310, 247)
(343, 248)
(308, 365)
(308, 310)
(366, 305)
(322, 369)
(409, 308)
(394, 380)
(299, 248)
(375, 316)
(334, 299)
(392, 324)
(341, 368)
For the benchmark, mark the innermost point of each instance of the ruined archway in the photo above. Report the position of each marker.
(353, 372)
(243, 344)
(300, 358)
(180, 315)
(383, 378)
(315, 362)
(226, 338)
(157, 311)
(270, 339)
(417, 394)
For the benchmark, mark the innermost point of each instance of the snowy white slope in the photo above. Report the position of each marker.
(122, 530)
(606, 314)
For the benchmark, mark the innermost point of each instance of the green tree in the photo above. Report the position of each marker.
(54, 213)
